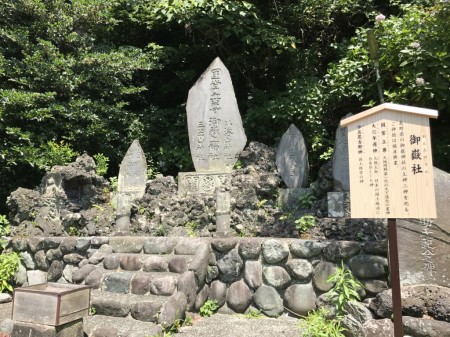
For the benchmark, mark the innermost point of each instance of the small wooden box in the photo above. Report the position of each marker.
(51, 303)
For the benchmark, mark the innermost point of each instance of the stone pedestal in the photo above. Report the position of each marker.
(201, 182)
(71, 329)
(223, 218)
(288, 198)
(338, 204)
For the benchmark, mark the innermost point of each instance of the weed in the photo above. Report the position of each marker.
(101, 163)
(73, 231)
(316, 324)
(345, 288)
(92, 311)
(114, 183)
(4, 226)
(304, 223)
(253, 313)
(188, 321)
(209, 308)
(191, 227)
(306, 200)
(9, 263)
(261, 203)
(160, 230)
(238, 165)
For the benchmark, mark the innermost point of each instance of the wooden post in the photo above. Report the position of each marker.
(395, 278)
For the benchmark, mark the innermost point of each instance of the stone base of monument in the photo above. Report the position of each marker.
(289, 198)
(201, 182)
(71, 329)
(338, 204)
(123, 224)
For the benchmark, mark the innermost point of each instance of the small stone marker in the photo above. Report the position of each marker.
(131, 184)
(216, 135)
(340, 159)
(424, 249)
(292, 158)
(338, 204)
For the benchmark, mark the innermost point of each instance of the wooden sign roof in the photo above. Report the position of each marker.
(391, 169)
(430, 113)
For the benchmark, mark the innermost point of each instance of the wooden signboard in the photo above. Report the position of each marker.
(391, 170)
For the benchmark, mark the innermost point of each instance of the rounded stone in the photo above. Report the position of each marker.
(250, 248)
(341, 250)
(306, 249)
(68, 245)
(55, 271)
(369, 266)
(163, 286)
(239, 296)
(27, 260)
(188, 285)
(178, 264)
(53, 254)
(79, 275)
(224, 245)
(19, 244)
(276, 277)
(253, 274)
(374, 287)
(202, 296)
(41, 260)
(130, 262)
(300, 298)
(155, 263)
(111, 262)
(274, 250)
(321, 273)
(230, 266)
(268, 301)
(300, 269)
(218, 292)
(140, 284)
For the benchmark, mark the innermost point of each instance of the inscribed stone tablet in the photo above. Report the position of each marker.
(292, 158)
(201, 182)
(424, 245)
(216, 135)
(341, 176)
(133, 172)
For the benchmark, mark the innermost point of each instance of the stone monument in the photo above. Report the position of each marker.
(292, 158)
(424, 244)
(131, 184)
(216, 135)
(339, 200)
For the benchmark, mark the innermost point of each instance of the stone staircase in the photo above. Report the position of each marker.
(141, 285)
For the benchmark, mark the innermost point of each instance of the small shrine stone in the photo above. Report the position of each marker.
(341, 175)
(133, 172)
(216, 135)
(292, 158)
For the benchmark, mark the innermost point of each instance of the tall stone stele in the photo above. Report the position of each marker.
(216, 134)
(339, 199)
(131, 184)
(292, 158)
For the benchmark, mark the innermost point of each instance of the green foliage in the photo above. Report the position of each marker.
(114, 183)
(316, 324)
(92, 311)
(306, 200)
(160, 230)
(9, 264)
(191, 227)
(345, 288)
(73, 231)
(102, 163)
(209, 308)
(304, 223)
(253, 313)
(4, 225)
(261, 203)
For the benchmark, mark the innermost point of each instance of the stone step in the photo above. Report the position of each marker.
(107, 326)
(163, 310)
(147, 262)
(140, 283)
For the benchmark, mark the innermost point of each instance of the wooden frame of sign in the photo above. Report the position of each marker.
(391, 174)
(391, 170)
